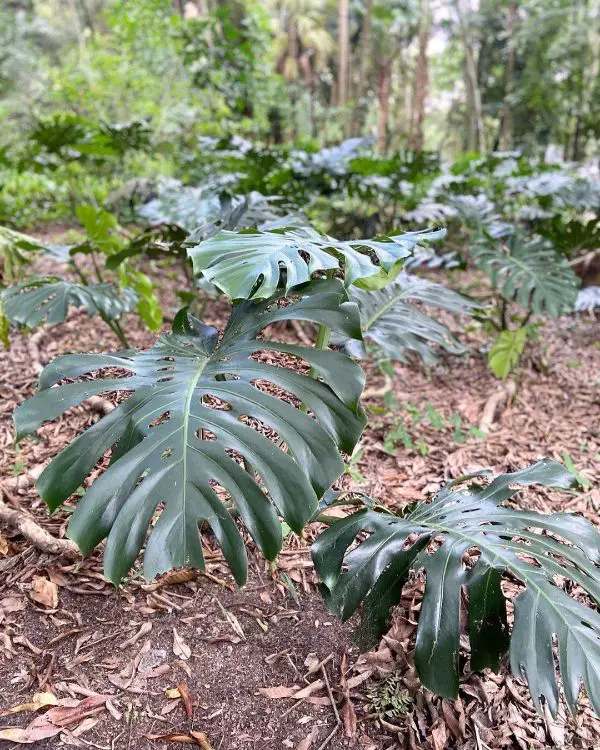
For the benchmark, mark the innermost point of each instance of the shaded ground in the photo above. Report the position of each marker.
(74, 637)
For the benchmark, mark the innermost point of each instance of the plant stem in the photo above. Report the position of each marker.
(115, 327)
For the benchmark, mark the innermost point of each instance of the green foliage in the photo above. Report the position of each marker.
(389, 699)
(15, 253)
(249, 265)
(505, 353)
(171, 438)
(46, 301)
(390, 319)
(532, 547)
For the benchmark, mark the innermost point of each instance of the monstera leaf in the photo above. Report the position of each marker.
(250, 265)
(529, 272)
(397, 327)
(197, 404)
(536, 549)
(46, 300)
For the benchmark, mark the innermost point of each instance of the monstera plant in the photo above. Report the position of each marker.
(237, 430)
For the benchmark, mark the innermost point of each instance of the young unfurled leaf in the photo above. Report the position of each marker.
(505, 353)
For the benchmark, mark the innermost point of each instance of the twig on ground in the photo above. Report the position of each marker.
(338, 721)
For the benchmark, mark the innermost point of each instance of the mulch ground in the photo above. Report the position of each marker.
(194, 659)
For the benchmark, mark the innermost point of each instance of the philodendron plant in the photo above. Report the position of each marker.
(236, 424)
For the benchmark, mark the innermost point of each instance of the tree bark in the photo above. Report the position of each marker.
(506, 132)
(344, 44)
(476, 128)
(383, 91)
(416, 136)
(363, 68)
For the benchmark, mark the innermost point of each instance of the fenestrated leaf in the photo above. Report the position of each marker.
(535, 548)
(398, 327)
(46, 300)
(528, 272)
(251, 264)
(172, 442)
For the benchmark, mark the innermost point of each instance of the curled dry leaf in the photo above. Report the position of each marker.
(144, 630)
(180, 647)
(186, 698)
(308, 741)
(44, 592)
(39, 700)
(192, 738)
(281, 691)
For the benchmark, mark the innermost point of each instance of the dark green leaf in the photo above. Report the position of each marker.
(535, 548)
(171, 441)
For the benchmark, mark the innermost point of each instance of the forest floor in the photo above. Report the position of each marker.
(193, 659)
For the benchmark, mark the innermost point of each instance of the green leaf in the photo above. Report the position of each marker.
(15, 249)
(398, 327)
(148, 307)
(252, 264)
(101, 228)
(535, 548)
(197, 403)
(505, 353)
(528, 272)
(4, 327)
(45, 300)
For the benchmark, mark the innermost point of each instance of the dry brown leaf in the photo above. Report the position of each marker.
(309, 689)
(307, 742)
(193, 738)
(11, 604)
(186, 698)
(15, 734)
(202, 740)
(39, 700)
(171, 578)
(281, 691)
(180, 647)
(172, 737)
(44, 592)
(348, 716)
(439, 735)
(144, 630)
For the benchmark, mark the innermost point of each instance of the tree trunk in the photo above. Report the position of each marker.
(383, 91)
(344, 44)
(506, 132)
(476, 128)
(363, 69)
(416, 136)
(577, 155)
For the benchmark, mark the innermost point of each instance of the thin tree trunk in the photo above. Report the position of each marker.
(506, 132)
(344, 45)
(383, 91)
(580, 104)
(363, 68)
(476, 127)
(416, 136)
